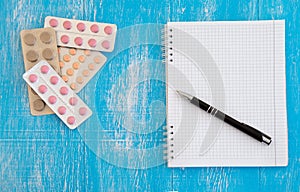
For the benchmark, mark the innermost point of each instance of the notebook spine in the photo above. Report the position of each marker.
(167, 54)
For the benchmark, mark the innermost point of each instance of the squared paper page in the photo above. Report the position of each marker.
(239, 68)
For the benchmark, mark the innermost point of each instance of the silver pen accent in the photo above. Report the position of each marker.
(266, 140)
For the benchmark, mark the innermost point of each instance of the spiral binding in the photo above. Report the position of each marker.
(163, 43)
(167, 54)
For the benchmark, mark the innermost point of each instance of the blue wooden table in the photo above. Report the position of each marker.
(42, 154)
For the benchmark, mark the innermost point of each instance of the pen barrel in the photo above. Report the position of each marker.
(256, 134)
(200, 103)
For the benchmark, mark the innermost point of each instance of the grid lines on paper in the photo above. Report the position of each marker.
(244, 55)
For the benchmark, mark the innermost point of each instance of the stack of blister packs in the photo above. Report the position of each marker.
(60, 59)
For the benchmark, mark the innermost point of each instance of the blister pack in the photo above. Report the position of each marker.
(83, 34)
(37, 45)
(79, 66)
(57, 94)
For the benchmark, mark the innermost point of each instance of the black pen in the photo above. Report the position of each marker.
(256, 134)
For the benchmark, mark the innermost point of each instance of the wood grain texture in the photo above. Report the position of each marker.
(41, 154)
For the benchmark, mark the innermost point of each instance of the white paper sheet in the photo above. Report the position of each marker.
(239, 68)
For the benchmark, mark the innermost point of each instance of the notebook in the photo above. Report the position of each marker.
(239, 68)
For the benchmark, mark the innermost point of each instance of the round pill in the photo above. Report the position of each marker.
(64, 39)
(33, 78)
(29, 39)
(70, 72)
(54, 80)
(73, 101)
(52, 99)
(61, 64)
(82, 111)
(71, 120)
(108, 30)
(53, 22)
(94, 28)
(66, 58)
(32, 56)
(72, 51)
(73, 86)
(45, 37)
(79, 80)
(81, 27)
(44, 69)
(105, 44)
(62, 110)
(47, 54)
(81, 58)
(91, 66)
(42, 89)
(87, 52)
(65, 78)
(92, 43)
(97, 60)
(67, 25)
(78, 41)
(85, 73)
(64, 90)
(39, 105)
(76, 65)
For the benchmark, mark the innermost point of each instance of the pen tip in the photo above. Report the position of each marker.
(179, 93)
(185, 95)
